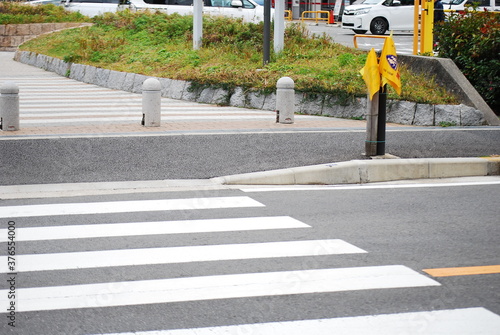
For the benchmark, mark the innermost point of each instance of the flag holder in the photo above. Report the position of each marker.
(376, 123)
(382, 107)
(372, 125)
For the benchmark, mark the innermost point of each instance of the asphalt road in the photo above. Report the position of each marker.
(403, 40)
(66, 160)
(415, 228)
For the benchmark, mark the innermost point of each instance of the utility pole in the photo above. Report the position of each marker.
(197, 24)
(279, 25)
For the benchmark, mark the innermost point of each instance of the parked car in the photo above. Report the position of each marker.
(45, 2)
(249, 10)
(379, 16)
(94, 7)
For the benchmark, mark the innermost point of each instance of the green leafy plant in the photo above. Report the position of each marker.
(472, 40)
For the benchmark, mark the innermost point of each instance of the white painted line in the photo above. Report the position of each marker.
(363, 187)
(215, 287)
(126, 206)
(185, 254)
(78, 95)
(71, 86)
(65, 111)
(139, 116)
(466, 321)
(152, 228)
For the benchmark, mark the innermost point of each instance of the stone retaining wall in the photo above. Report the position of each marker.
(402, 112)
(13, 35)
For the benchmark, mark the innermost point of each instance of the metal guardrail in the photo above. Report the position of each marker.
(288, 15)
(367, 36)
(316, 19)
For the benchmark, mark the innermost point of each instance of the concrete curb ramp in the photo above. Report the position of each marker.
(368, 171)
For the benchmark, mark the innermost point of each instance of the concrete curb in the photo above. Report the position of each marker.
(104, 188)
(368, 171)
(352, 172)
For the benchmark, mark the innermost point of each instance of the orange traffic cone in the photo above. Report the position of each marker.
(331, 19)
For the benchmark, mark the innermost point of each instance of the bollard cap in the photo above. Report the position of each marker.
(9, 87)
(285, 82)
(151, 84)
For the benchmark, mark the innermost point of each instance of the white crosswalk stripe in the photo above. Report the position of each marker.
(128, 257)
(459, 321)
(153, 228)
(127, 206)
(218, 287)
(244, 283)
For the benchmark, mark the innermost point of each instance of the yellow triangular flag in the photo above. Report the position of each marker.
(371, 73)
(389, 68)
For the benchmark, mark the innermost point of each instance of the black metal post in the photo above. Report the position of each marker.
(267, 31)
(382, 103)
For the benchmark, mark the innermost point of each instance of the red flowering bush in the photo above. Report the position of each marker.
(472, 40)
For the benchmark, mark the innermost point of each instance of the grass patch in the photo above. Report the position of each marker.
(18, 13)
(157, 44)
(445, 124)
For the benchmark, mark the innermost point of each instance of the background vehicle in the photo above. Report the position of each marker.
(379, 16)
(45, 2)
(93, 7)
(249, 10)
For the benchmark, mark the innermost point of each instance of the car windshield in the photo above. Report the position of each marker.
(452, 2)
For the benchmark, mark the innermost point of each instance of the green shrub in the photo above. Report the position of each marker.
(19, 13)
(472, 41)
(234, 33)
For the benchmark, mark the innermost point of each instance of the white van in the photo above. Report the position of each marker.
(249, 10)
(481, 4)
(379, 16)
(93, 7)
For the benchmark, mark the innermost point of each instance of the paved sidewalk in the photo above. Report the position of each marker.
(51, 105)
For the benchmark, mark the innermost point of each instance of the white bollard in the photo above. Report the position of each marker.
(151, 103)
(285, 100)
(9, 106)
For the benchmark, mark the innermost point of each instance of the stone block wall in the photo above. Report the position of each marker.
(13, 35)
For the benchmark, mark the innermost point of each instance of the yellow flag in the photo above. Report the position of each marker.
(389, 68)
(371, 73)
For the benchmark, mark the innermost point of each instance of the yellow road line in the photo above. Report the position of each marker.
(463, 271)
(494, 158)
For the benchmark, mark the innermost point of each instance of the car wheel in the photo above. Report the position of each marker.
(378, 26)
(357, 31)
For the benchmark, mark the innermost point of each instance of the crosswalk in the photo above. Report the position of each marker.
(59, 101)
(248, 284)
(443, 322)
